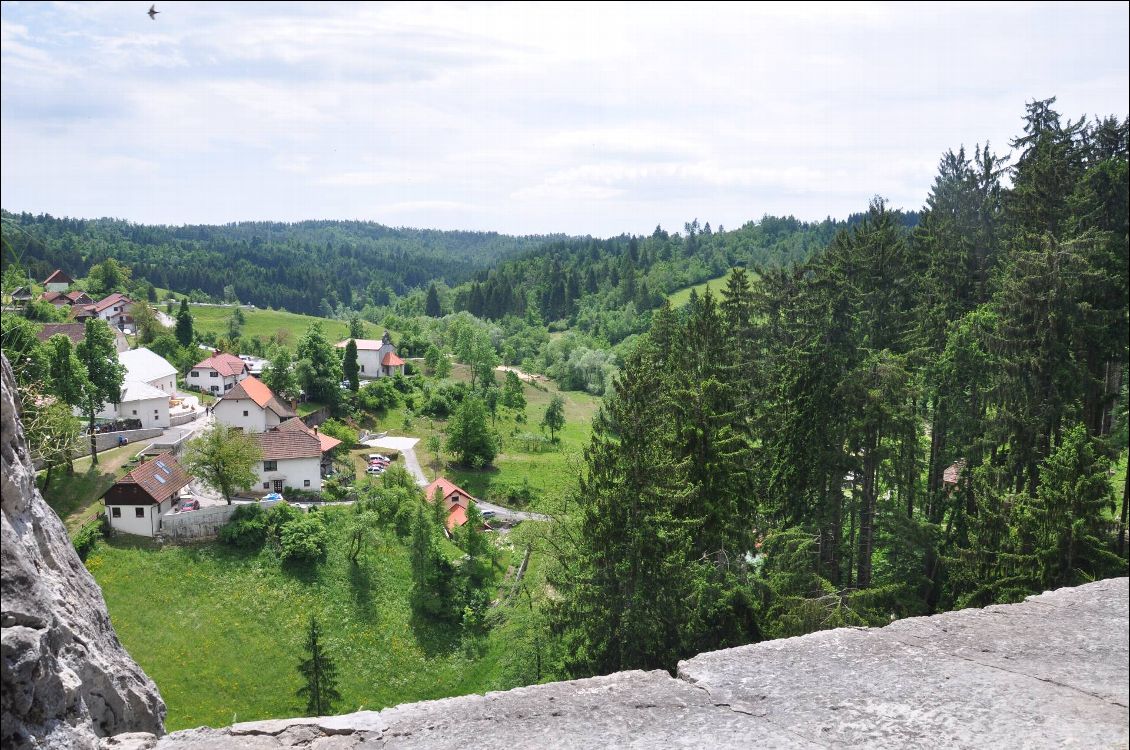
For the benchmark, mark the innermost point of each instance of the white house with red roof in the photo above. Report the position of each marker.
(293, 455)
(252, 407)
(455, 498)
(115, 309)
(376, 358)
(135, 503)
(58, 281)
(217, 374)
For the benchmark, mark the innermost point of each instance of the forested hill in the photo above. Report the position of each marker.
(323, 266)
(292, 266)
(567, 277)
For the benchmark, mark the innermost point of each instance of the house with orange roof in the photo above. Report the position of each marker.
(252, 407)
(376, 358)
(217, 374)
(456, 499)
(293, 455)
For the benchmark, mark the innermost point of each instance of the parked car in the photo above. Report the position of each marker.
(487, 514)
(378, 457)
(379, 462)
(375, 470)
(190, 503)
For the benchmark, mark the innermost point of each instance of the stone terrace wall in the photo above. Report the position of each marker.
(1050, 672)
(200, 524)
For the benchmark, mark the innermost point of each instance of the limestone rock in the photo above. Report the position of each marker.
(66, 679)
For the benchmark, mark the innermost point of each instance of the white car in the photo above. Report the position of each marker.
(375, 470)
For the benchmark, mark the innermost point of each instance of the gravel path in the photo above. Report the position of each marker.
(406, 446)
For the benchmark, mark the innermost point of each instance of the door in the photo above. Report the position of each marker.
(278, 485)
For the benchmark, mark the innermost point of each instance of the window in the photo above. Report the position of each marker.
(227, 386)
(156, 413)
(270, 466)
(135, 412)
(194, 374)
(305, 482)
(213, 374)
(115, 512)
(362, 368)
(245, 412)
(139, 512)
(266, 485)
(215, 388)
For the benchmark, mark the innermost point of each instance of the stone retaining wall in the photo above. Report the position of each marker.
(107, 440)
(200, 524)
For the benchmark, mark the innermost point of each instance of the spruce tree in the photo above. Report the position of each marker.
(350, 366)
(319, 674)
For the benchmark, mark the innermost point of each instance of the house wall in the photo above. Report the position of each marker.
(294, 472)
(129, 523)
(230, 412)
(58, 287)
(168, 384)
(370, 363)
(153, 412)
(117, 315)
(202, 378)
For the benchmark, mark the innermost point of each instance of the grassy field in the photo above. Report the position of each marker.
(267, 323)
(680, 297)
(550, 473)
(220, 630)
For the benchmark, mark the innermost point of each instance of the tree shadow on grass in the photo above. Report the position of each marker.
(434, 637)
(361, 584)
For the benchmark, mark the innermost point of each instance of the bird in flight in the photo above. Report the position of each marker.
(153, 12)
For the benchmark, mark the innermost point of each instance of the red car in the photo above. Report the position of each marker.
(188, 504)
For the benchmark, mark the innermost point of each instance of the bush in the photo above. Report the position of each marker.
(303, 538)
(88, 537)
(279, 515)
(247, 528)
(512, 494)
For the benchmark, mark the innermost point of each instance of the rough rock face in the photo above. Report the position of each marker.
(1051, 672)
(66, 679)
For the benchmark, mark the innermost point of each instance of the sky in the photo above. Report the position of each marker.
(581, 119)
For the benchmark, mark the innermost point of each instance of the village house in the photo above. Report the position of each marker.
(116, 310)
(376, 359)
(150, 381)
(294, 456)
(456, 499)
(68, 299)
(57, 281)
(76, 332)
(135, 503)
(217, 374)
(252, 407)
(145, 366)
(22, 296)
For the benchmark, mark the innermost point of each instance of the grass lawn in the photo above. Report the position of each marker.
(76, 497)
(267, 323)
(221, 630)
(680, 297)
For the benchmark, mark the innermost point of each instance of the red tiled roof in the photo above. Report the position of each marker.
(294, 423)
(58, 277)
(952, 474)
(456, 516)
(53, 296)
(111, 300)
(256, 390)
(225, 364)
(278, 445)
(391, 360)
(160, 478)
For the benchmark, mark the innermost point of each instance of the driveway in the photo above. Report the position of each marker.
(506, 515)
(406, 446)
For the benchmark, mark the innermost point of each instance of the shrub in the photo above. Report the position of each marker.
(247, 528)
(88, 536)
(279, 515)
(303, 539)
